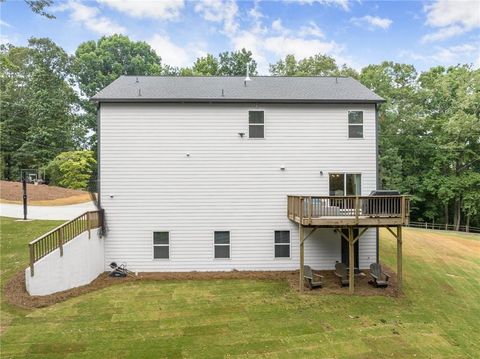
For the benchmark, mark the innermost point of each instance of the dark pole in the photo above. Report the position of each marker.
(24, 185)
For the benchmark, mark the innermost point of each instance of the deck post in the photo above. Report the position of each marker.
(351, 260)
(399, 257)
(302, 255)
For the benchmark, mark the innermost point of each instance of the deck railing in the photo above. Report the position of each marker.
(317, 207)
(57, 237)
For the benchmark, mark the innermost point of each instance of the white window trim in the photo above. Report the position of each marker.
(345, 180)
(229, 245)
(283, 244)
(161, 245)
(356, 124)
(264, 124)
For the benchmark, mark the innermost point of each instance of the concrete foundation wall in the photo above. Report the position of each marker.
(81, 263)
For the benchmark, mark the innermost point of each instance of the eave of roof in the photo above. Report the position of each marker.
(199, 100)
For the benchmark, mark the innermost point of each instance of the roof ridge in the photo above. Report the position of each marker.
(239, 76)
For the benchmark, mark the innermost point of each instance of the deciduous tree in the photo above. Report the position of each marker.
(38, 106)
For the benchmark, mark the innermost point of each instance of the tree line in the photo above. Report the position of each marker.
(429, 126)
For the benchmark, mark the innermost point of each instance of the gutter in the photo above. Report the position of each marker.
(189, 100)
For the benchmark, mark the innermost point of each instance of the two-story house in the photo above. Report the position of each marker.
(195, 171)
(228, 173)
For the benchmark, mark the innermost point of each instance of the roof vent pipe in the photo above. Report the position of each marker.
(139, 92)
(223, 93)
(136, 80)
(247, 78)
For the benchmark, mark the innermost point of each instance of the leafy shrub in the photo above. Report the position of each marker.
(71, 169)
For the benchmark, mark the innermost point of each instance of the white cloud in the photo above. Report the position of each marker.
(311, 29)
(164, 9)
(255, 12)
(462, 53)
(281, 41)
(222, 11)
(446, 13)
(344, 4)
(173, 54)
(372, 22)
(91, 18)
(300, 47)
(278, 26)
(443, 34)
(4, 24)
(256, 15)
(453, 18)
(5, 40)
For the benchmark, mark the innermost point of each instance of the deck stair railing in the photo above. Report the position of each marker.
(57, 237)
(308, 207)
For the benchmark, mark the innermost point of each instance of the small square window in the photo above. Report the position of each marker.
(256, 124)
(222, 244)
(355, 124)
(161, 245)
(282, 244)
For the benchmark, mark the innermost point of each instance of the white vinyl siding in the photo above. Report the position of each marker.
(148, 181)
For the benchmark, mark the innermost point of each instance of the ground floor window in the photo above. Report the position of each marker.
(222, 244)
(161, 245)
(282, 244)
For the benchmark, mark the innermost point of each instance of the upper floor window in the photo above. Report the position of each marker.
(355, 124)
(256, 124)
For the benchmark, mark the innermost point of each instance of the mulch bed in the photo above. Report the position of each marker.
(12, 191)
(16, 294)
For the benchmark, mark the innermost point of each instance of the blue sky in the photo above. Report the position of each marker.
(353, 32)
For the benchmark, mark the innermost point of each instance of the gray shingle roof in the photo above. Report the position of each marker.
(233, 89)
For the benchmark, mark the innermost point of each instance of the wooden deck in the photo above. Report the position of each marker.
(350, 212)
(358, 211)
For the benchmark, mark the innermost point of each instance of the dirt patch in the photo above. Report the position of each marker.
(11, 192)
(16, 294)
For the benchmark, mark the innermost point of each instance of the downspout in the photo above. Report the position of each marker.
(98, 157)
(377, 180)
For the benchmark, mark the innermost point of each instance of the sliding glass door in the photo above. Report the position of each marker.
(345, 184)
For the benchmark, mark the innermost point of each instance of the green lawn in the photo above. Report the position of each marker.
(437, 318)
(14, 237)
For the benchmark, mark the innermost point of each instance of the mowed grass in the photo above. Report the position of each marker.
(14, 238)
(438, 317)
